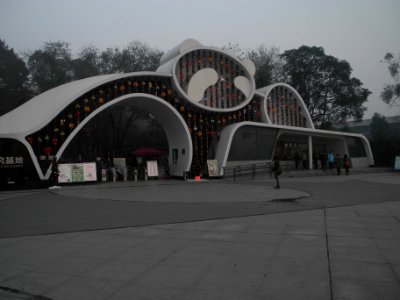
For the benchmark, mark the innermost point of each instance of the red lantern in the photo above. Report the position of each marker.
(29, 139)
(47, 151)
(86, 109)
(71, 125)
(54, 141)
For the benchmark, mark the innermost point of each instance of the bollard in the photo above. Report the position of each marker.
(103, 175)
(125, 174)
(135, 174)
(145, 174)
(114, 174)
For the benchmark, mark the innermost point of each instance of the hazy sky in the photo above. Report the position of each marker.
(359, 31)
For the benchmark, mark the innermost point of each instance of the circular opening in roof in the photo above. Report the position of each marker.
(213, 80)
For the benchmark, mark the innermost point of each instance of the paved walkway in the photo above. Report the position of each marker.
(340, 239)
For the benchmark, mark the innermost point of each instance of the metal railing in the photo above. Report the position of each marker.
(247, 170)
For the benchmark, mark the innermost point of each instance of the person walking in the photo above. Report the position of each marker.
(346, 163)
(338, 164)
(276, 169)
(55, 172)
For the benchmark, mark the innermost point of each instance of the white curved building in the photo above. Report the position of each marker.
(204, 99)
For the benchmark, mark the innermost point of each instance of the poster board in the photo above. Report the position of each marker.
(81, 172)
(397, 163)
(77, 172)
(65, 175)
(212, 168)
(119, 162)
(89, 172)
(152, 168)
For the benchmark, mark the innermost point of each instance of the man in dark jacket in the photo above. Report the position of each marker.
(276, 169)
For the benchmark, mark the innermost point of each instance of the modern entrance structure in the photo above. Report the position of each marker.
(204, 99)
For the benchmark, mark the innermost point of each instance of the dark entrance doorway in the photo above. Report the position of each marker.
(116, 133)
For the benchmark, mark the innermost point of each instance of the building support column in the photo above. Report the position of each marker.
(310, 152)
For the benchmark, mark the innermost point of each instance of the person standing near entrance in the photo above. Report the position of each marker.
(346, 164)
(55, 172)
(297, 160)
(276, 169)
(331, 160)
(322, 158)
(338, 163)
(315, 159)
(304, 159)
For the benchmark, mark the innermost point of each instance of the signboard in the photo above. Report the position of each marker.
(212, 168)
(11, 162)
(89, 172)
(119, 162)
(397, 163)
(77, 173)
(152, 168)
(65, 173)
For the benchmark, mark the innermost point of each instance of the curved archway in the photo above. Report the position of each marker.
(171, 121)
(280, 111)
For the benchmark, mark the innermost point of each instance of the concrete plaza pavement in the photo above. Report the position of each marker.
(331, 237)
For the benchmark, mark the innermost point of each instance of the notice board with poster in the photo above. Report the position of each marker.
(89, 172)
(65, 175)
(82, 172)
(120, 163)
(152, 168)
(212, 168)
(77, 172)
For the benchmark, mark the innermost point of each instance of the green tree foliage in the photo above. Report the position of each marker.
(266, 60)
(137, 56)
(54, 64)
(268, 65)
(325, 83)
(391, 92)
(108, 63)
(87, 64)
(379, 130)
(385, 146)
(50, 66)
(14, 81)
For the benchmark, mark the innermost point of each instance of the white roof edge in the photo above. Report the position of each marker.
(301, 129)
(37, 112)
(178, 49)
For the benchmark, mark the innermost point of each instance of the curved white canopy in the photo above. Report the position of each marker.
(37, 112)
